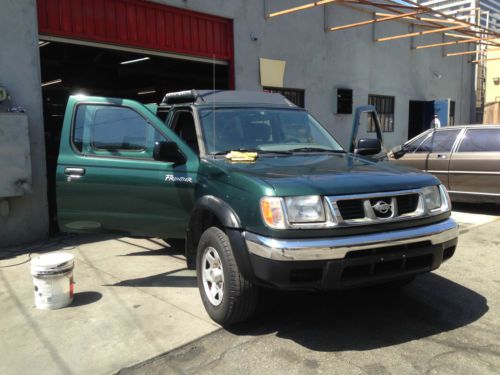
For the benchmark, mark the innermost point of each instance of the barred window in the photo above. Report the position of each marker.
(385, 109)
(296, 96)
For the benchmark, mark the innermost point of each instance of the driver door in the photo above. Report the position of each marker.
(108, 179)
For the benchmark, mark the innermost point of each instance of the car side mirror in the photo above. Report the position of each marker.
(398, 151)
(367, 146)
(168, 152)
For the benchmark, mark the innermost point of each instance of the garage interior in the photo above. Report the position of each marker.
(68, 69)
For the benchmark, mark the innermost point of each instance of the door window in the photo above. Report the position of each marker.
(442, 141)
(481, 140)
(414, 145)
(439, 141)
(183, 126)
(113, 130)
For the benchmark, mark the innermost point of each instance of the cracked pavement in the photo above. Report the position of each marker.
(446, 322)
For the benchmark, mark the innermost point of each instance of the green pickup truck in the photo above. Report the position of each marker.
(260, 194)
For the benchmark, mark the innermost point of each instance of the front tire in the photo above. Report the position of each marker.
(227, 296)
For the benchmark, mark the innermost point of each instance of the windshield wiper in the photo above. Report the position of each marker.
(316, 149)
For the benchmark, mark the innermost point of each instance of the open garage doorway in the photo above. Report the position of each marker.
(68, 69)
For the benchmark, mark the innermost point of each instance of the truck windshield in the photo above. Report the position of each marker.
(264, 129)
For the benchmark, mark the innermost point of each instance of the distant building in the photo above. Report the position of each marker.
(470, 10)
(492, 101)
(487, 14)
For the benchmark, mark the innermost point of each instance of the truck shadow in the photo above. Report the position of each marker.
(366, 319)
(179, 278)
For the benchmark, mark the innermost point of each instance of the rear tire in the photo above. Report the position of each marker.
(227, 296)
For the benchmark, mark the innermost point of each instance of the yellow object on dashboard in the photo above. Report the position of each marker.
(239, 156)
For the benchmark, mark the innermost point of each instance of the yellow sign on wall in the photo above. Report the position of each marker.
(272, 72)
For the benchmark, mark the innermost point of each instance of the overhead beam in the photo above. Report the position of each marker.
(388, 5)
(483, 29)
(419, 33)
(299, 8)
(453, 42)
(463, 53)
(458, 36)
(426, 19)
(483, 60)
(376, 20)
(472, 52)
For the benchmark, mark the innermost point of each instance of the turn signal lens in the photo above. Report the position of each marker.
(272, 212)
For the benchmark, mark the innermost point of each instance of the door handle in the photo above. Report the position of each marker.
(442, 156)
(72, 171)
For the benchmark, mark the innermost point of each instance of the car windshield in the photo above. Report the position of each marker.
(264, 130)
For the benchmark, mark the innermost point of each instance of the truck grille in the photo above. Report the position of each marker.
(351, 209)
(379, 207)
(407, 203)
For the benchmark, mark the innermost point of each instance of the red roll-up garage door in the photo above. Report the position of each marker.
(139, 24)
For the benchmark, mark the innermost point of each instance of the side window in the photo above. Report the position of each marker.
(114, 131)
(183, 126)
(481, 140)
(413, 146)
(443, 141)
(118, 128)
(424, 145)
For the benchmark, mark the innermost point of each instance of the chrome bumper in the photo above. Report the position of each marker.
(338, 247)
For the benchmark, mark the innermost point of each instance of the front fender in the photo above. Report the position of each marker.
(202, 217)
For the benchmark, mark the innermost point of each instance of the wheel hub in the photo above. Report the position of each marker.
(212, 276)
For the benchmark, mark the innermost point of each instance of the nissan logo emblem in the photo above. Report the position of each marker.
(382, 207)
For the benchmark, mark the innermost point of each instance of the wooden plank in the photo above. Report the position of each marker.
(426, 19)
(482, 60)
(453, 42)
(376, 20)
(420, 33)
(299, 8)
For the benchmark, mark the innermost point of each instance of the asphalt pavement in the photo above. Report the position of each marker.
(445, 322)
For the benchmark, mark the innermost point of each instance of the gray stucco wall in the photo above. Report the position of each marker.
(20, 74)
(320, 62)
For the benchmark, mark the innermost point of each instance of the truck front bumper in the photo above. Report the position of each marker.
(344, 262)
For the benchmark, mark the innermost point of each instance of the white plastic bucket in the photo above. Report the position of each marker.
(53, 280)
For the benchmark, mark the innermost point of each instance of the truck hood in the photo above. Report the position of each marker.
(331, 174)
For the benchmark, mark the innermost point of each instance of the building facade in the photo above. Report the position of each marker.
(231, 42)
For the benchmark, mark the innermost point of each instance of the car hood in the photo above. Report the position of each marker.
(330, 174)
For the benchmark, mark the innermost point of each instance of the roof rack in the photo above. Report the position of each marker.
(179, 97)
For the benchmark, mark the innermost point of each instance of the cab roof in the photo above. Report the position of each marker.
(229, 97)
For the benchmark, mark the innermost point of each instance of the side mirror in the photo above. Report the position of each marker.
(368, 146)
(398, 151)
(168, 152)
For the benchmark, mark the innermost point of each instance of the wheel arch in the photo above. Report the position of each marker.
(210, 211)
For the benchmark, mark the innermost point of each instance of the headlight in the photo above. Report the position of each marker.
(436, 199)
(282, 213)
(307, 209)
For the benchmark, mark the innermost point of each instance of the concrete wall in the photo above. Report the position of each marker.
(320, 62)
(27, 219)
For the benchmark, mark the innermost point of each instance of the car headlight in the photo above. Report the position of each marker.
(436, 199)
(281, 213)
(307, 209)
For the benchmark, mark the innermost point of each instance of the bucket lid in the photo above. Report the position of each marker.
(53, 262)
